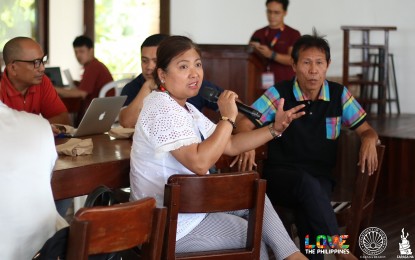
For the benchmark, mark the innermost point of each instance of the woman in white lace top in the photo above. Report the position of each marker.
(172, 136)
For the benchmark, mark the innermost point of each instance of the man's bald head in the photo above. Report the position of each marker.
(13, 48)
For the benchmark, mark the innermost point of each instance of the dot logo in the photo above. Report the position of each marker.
(373, 241)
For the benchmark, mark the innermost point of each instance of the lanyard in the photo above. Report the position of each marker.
(276, 37)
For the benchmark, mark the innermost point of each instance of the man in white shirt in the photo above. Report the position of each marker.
(27, 156)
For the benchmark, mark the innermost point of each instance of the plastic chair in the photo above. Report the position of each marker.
(115, 228)
(117, 85)
(215, 193)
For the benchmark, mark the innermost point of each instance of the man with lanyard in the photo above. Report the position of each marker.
(274, 42)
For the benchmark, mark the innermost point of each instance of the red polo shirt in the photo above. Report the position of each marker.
(40, 99)
(96, 75)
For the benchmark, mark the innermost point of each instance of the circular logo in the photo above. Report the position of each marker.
(373, 241)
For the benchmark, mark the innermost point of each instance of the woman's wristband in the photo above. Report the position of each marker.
(224, 118)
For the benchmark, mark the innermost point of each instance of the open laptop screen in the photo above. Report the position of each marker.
(54, 74)
(69, 78)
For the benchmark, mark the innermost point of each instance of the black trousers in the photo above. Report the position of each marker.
(309, 198)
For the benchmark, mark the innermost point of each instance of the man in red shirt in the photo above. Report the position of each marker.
(95, 75)
(25, 87)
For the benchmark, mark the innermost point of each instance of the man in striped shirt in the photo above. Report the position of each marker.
(299, 165)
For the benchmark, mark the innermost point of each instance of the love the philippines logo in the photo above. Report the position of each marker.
(326, 244)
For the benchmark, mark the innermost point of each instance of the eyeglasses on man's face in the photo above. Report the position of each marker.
(36, 63)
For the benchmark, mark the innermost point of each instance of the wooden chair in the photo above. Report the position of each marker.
(119, 227)
(354, 196)
(223, 164)
(215, 193)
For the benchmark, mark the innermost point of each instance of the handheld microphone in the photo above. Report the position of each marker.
(212, 95)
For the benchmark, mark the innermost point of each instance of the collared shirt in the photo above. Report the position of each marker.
(39, 99)
(353, 113)
(310, 142)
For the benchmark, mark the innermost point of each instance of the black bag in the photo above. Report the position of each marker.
(101, 196)
(55, 247)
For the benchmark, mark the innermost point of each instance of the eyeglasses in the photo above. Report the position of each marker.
(37, 62)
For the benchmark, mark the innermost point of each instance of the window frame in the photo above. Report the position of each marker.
(41, 26)
(89, 17)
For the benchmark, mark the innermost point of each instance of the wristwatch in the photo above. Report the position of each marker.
(273, 132)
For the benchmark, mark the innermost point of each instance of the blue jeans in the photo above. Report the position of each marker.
(62, 206)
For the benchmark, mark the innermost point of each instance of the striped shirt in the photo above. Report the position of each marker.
(310, 142)
(267, 104)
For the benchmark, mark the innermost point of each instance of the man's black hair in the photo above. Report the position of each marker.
(310, 41)
(283, 2)
(83, 41)
(153, 40)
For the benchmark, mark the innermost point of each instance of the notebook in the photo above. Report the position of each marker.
(69, 78)
(54, 74)
(100, 116)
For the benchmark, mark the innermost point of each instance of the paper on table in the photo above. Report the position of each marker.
(75, 147)
(121, 132)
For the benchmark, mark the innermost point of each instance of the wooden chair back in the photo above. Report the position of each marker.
(115, 228)
(215, 193)
(354, 196)
(223, 164)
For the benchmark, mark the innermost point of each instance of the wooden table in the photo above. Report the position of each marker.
(109, 164)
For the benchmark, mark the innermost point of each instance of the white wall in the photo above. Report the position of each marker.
(233, 22)
(66, 23)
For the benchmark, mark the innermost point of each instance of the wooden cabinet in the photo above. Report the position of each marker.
(234, 67)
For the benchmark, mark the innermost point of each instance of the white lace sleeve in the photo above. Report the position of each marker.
(204, 125)
(166, 124)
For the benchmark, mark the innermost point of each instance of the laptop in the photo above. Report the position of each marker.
(69, 78)
(100, 116)
(54, 74)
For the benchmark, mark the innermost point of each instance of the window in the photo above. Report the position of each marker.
(118, 28)
(24, 18)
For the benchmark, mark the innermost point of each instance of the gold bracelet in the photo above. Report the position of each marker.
(273, 132)
(225, 118)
